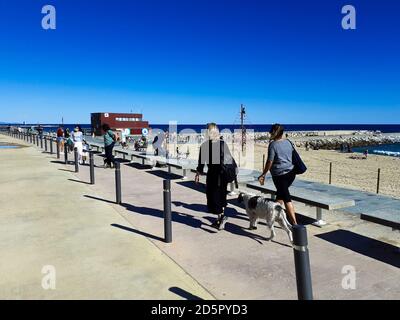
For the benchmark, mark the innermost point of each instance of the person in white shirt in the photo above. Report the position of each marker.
(77, 138)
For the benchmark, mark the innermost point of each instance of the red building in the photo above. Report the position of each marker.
(131, 123)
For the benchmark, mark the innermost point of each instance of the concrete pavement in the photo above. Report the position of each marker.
(46, 221)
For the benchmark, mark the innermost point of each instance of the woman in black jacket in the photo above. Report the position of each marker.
(214, 152)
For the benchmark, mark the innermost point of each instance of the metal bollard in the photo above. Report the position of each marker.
(76, 160)
(91, 162)
(378, 181)
(58, 149)
(118, 183)
(330, 173)
(302, 263)
(167, 212)
(45, 144)
(51, 145)
(65, 155)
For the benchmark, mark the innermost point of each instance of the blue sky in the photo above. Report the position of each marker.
(196, 61)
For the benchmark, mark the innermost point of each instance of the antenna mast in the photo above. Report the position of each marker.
(243, 128)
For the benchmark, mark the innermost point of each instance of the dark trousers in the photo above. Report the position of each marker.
(109, 154)
(282, 184)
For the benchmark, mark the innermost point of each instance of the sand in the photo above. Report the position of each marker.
(346, 172)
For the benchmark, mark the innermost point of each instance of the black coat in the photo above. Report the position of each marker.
(216, 188)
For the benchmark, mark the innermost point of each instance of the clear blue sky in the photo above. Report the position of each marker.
(196, 61)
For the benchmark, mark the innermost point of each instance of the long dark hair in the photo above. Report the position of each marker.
(276, 131)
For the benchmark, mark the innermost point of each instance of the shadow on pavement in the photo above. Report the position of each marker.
(165, 174)
(369, 247)
(78, 181)
(139, 166)
(190, 220)
(184, 294)
(145, 234)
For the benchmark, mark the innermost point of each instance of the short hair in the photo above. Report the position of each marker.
(212, 131)
(276, 131)
(105, 127)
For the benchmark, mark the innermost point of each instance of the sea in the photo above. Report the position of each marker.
(384, 128)
(392, 150)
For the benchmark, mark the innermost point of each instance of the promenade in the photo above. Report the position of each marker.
(51, 216)
(47, 221)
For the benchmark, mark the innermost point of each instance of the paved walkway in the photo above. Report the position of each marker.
(46, 220)
(238, 263)
(232, 264)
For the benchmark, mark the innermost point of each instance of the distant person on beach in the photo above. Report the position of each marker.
(77, 139)
(280, 164)
(366, 154)
(60, 138)
(215, 152)
(109, 141)
(40, 131)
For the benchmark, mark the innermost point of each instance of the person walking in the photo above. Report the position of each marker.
(77, 139)
(215, 152)
(109, 141)
(60, 138)
(280, 164)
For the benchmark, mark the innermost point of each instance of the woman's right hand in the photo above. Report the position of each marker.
(261, 179)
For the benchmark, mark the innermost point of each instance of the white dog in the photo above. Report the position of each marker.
(271, 211)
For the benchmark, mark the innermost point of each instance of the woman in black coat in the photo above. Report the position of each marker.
(213, 152)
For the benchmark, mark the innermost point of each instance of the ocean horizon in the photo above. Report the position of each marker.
(384, 128)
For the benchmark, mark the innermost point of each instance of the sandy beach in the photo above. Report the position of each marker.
(359, 174)
(346, 172)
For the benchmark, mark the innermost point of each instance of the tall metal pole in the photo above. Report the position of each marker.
(51, 145)
(65, 155)
(302, 263)
(242, 115)
(58, 149)
(379, 180)
(118, 197)
(91, 162)
(167, 212)
(76, 159)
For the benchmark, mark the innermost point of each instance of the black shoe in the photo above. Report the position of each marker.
(215, 224)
